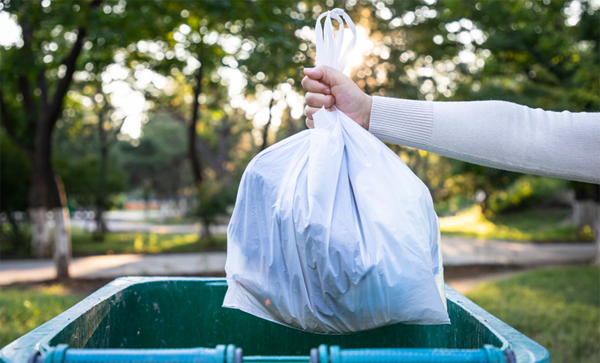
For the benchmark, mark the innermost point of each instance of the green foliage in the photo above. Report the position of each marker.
(557, 308)
(24, 310)
(525, 53)
(49, 34)
(157, 164)
(215, 197)
(524, 192)
(118, 243)
(77, 160)
(14, 239)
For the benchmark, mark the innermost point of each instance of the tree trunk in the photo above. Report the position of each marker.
(585, 213)
(223, 149)
(48, 192)
(266, 130)
(101, 193)
(101, 228)
(146, 202)
(62, 242)
(38, 196)
(62, 233)
(40, 234)
(205, 229)
(42, 116)
(192, 133)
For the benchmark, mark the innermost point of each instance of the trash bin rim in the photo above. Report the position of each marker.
(526, 350)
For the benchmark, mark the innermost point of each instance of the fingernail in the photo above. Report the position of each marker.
(326, 91)
(308, 69)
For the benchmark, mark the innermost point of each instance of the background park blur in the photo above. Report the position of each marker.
(126, 127)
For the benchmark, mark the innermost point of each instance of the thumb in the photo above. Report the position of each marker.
(326, 75)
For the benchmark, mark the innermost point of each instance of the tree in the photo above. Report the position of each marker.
(40, 111)
(40, 70)
(83, 154)
(204, 32)
(211, 39)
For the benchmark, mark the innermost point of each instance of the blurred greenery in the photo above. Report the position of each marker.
(116, 243)
(558, 308)
(536, 225)
(154, 165)
(201, 125)
(24, 310)
(78, 163)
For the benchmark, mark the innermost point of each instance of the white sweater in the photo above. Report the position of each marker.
(498, 134)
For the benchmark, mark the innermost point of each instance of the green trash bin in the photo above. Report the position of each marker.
(167, 319)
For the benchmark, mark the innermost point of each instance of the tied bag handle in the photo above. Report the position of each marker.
(329, 48)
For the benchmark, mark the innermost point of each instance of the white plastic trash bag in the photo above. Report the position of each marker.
(331, 231)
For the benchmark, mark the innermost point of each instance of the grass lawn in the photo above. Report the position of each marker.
(24, 310)
(558, 308)
(538, 225)
(143, 242)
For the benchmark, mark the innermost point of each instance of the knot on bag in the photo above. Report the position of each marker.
(329, 48)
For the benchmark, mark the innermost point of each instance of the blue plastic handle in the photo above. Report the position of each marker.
(488, 354)
(230, 354)
(63, 354)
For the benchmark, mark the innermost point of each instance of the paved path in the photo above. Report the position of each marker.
(462, 251)
(456, 251)
(115, 266)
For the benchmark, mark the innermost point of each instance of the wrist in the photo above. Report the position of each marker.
(367, 112)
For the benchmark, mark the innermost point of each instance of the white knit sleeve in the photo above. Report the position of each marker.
(497, 134)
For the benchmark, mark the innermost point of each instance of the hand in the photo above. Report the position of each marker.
(327, 87)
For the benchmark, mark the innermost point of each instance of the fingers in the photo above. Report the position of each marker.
(326, 75)
(310, 123)
(317, 83)
(315, 86)
(319, 100)
(314, 73)
(310, 111)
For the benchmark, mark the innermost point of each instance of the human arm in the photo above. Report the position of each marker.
(498, 134)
